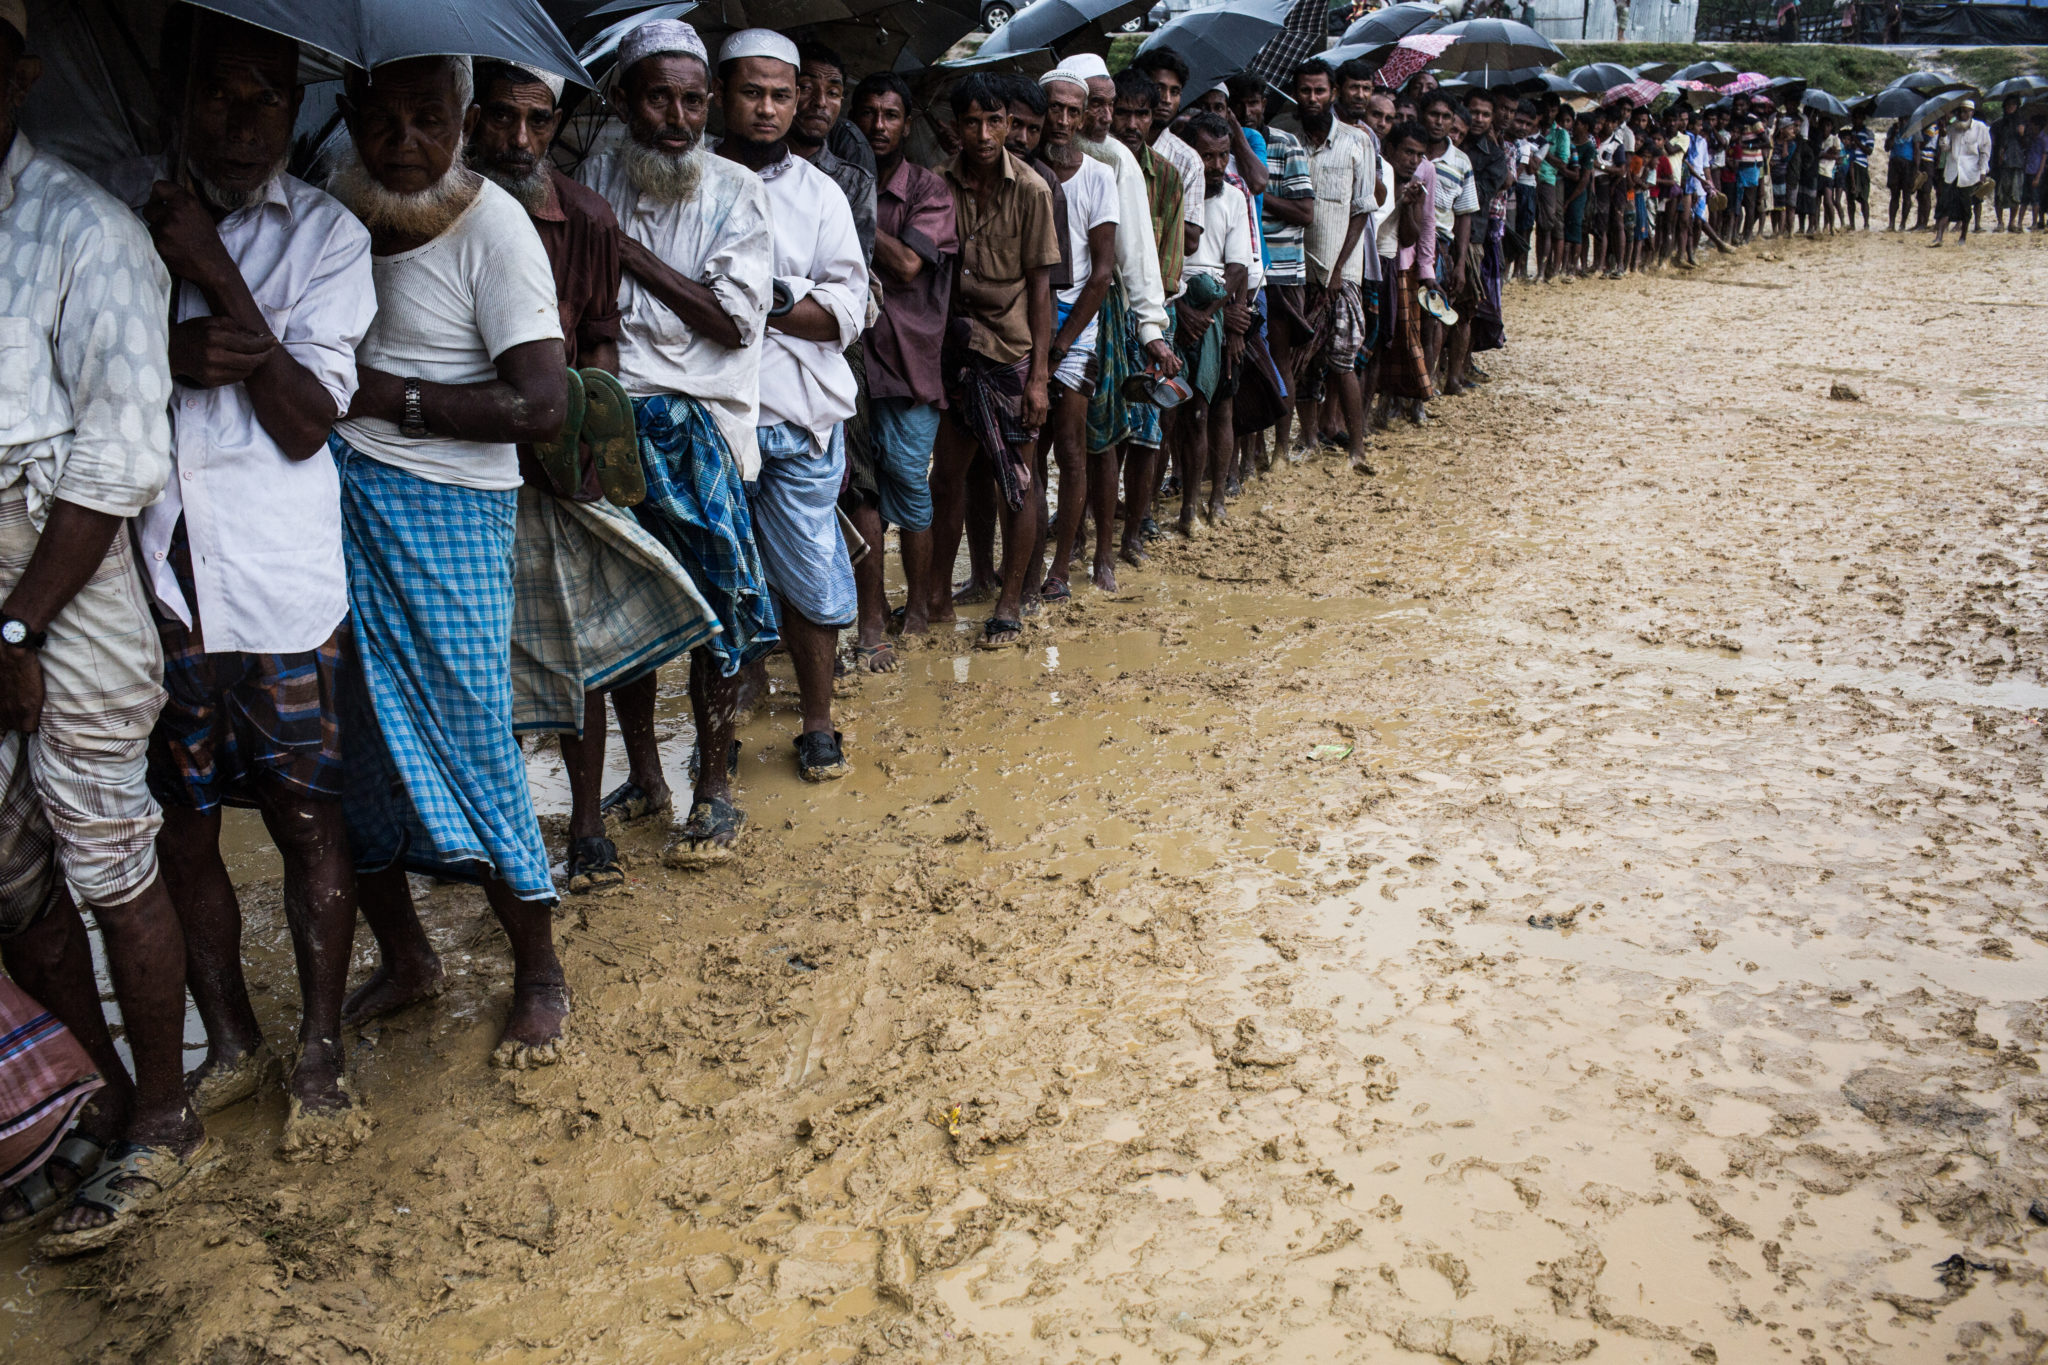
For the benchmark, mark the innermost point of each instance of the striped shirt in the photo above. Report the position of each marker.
(1288, 178)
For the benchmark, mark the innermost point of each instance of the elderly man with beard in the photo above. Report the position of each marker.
(807, 389)
(1133, 319)
(275, 295)
(599, 604)
(84, 444)
(463, 363)
(699, 260)
(1093, 207)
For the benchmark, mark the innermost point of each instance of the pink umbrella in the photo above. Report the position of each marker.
(1636, 92)
(1747, 83)
(1410, 55)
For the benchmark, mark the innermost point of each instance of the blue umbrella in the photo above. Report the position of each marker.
(1046, 22)
(369, 33)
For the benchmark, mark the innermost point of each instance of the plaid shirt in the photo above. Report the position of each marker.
(1168, 196)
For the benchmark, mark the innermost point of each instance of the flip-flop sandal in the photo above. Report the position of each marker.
(559, 457)
(41, 1194)
(697, 843)
(819, 757)
(629, 804)
(1056, 590)
(614, 439)
(997, 625)
(159, 1167)
(226, 1087)
(867, 657)
(594, 866)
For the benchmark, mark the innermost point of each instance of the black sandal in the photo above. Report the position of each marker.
(709, 836)
(997, 625)
(732, 761)
(819, 757)
(594, 866)
(629, 804)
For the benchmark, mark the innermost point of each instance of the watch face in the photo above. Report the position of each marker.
(14, 633)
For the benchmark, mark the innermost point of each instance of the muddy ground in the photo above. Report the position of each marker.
(1660, 976)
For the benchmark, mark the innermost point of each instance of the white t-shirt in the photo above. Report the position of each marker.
(445, 312)
(1226, 238)
(1091, 201)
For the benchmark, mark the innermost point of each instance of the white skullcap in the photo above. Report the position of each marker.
(554, 83)
(659, 37)
(1086, 65)
(759, 42)
(1057, 76)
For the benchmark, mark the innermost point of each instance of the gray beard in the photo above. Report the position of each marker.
(1061, 155)
(234, 201)
(531, 190)
(661, 177)
(429, 213)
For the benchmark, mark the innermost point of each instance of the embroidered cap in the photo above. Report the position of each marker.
(660, 37)
(1086, 65)
(758, 42)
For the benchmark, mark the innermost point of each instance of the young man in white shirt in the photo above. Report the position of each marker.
(463, 363)
(1214, 318)
(244, 554)
(1457, 201)
(1094, 210)
(699, 261)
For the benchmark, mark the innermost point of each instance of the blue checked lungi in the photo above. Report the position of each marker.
(432, 774)
(697, 508)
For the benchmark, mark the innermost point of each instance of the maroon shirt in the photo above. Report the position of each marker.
(915, 206)
(582, 239)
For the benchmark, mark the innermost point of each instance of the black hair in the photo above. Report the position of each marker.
(13, 43)
(811, 51)
(1314, 66)
(979, 88)
(1473, 97)
(1528, 109)
(1440, 96)
(882, 83)
(1161, 59)
(1242, 84)
(1358, 69)
(1027, 92)
(1133, 85)
(1401, 132)
(1208, 125)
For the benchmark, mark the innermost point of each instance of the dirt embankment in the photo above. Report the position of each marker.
(1659, 976)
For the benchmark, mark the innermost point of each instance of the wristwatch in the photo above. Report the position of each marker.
(415, 423)
(18, 634)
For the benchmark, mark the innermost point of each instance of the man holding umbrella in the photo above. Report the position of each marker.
(1965, 161)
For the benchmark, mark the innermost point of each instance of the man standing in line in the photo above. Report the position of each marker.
(1221, 273)
(807, 387)
(1965, 160)
(1285, 210)
(1557, 154)
(2009, 166)
(85, 445)
(820, 100)
(699, 260)
(598, 601)
(1457, 200)
(463, 363)
(915, 242)
(1168, 72)
(1340, 262)
(998, 360)
(1494, 174)
(275, 296)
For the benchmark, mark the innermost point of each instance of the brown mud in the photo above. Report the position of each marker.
(1576, 895)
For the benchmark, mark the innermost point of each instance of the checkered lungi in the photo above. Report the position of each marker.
(74, 795)
(433, 777)
(596, 601)
(45, 1075)
(697, 508)
(1117, 358)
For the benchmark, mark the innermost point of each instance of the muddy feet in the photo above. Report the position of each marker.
(1132, 552)
(325, 1120)
(228, 1076)
(1104, 577)
(391, 989)
(533, 1031)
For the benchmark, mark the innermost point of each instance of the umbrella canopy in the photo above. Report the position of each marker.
(1926, 82)
(1786, 90)
(2018, 86)
(1220, 41)
(1394, 22)
(1821, 102)
(1600, 77)
(1640, 93)
(1657, 71)
(1748, 83)
(1045, 22)
(369, 33)
(1344, 52)
(1503, 44)
(1713, 73)
(1516, 79)
(1936, 109)
(1410, 55)
(1895, 103)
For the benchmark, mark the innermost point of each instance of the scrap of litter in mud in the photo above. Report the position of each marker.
(1658, 976)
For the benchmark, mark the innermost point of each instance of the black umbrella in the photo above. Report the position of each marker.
(1045, 22)
(1489, 44)
(1220, 41)
(1657, 71)
(1895, 103)
(1394, 22)
(1522, 79)
(1785, 90)
(1937, 108)
(1821, 102)
(2019, 87)
(1926, 82)
(369, 33)
(1600, 77)
(1711, 73)
(1344, 52)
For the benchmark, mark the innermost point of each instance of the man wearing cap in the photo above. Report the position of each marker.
(598, 601)
(1965, 160)
(85, 444)
(462, 365)
(699, 259)
(807, 388)
(275, 294)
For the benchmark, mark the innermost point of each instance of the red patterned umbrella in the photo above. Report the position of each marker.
(1409, 56)
(1636, 92)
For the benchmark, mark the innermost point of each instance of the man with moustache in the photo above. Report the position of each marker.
(275, 295)
(1168, 72)
(1345, 170)
(699, 260)
(807, 389)
(598, 601)
(1286, 208)
(84, 445)
(820, 100)
(462, 365)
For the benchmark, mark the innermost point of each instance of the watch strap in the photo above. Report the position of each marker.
(415, 423)
(32, 639)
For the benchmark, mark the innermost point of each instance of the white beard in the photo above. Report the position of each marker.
(233, 201)
(530, 190)
(428, 213)
(661, 177)
(1099, 150)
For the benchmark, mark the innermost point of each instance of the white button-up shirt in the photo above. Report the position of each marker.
(1137, 252)
(1346, 172)
(722, 240)
(817, 256)
(265, 529)
(1966, 155)
(1226, 238)
(85, 367)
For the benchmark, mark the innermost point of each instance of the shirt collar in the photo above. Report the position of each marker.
(551, 211)
(898, 183)
(18, 157)
(1009, 165)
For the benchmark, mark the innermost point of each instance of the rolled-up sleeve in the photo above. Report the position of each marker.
(740, 271)
(112, 352)
(336, 310)
(931, 230)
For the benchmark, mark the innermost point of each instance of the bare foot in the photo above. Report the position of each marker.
(533, 1030)
(228, 1076)
(915, 622)
(1361, 465)
(973, 592)
(1132, 552)
(390, 990)
(325, 1121)
(1104, 576)
(1217, 515)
